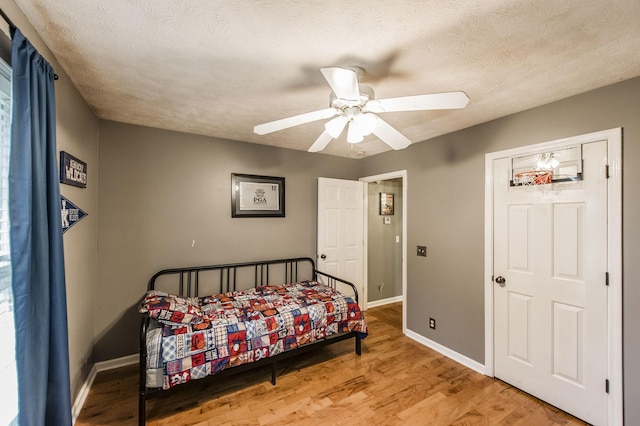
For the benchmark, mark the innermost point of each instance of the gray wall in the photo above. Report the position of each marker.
(161, 190)
(384, 258)
(77, 133)
(446, 213)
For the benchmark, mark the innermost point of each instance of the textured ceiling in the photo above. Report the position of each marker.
(220, 67)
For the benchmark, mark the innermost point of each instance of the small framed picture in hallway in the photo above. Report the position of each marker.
(386, 204)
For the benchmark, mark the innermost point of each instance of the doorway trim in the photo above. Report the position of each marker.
(614, 249)
(386, 176)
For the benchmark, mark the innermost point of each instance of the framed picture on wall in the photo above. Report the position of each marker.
(386, 204)
(257, 196)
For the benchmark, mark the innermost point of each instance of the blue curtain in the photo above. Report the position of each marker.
(37, 258)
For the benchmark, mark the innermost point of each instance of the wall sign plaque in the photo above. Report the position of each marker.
(72, 170)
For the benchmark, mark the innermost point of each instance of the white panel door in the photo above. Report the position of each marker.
(340, 230)
(550, 295)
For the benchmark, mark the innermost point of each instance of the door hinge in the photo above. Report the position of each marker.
(606, 279)
(606, 385)
(606, 171)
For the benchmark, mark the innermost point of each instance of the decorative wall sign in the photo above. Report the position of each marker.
(72, 171)
(71, 214)
(257, 196)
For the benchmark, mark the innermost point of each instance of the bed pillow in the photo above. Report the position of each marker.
(171, 309)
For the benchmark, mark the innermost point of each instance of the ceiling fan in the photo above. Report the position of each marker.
(354, 104)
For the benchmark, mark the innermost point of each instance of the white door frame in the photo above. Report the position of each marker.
(614, 248)
(386, 176)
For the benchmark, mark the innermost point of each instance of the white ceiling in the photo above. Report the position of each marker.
(220, 67)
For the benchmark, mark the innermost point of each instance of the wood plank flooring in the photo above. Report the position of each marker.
(396, 381)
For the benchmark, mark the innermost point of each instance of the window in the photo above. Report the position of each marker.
(9, 401)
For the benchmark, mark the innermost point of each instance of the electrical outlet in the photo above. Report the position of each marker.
(432, 323)
(422, 251)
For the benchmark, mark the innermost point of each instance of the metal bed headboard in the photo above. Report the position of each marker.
(227, 277)
(224, 278)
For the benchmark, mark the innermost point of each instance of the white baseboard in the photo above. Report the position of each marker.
(117, 363)
(82, 395)
(459, 358)
(382, 302)
(98, 367)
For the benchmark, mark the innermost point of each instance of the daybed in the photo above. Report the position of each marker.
(242, 321)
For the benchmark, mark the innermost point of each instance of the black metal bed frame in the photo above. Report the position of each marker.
(189, 284)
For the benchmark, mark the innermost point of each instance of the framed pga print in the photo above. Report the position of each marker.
(257, 196)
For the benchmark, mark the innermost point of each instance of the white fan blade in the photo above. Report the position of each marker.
(390, 136)
(448, 100)
(321, 143)
(296, 120)
(343, 82)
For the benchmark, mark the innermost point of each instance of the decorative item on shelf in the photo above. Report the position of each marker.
(386, 204)
(257, 196)
(72, 170)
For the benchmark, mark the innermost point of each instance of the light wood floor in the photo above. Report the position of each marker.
(396, 381)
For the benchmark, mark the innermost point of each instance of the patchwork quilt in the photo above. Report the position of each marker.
(204, 335)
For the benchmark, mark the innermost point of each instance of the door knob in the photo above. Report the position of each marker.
(323, 256)
(501, 281)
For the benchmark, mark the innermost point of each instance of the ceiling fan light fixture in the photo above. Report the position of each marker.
(334, 127)
(354, 135)
(366, 123)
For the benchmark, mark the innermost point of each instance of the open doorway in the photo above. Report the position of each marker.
(385, 239)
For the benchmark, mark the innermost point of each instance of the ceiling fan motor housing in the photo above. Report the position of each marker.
(366, 94)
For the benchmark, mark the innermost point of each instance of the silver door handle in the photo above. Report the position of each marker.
(501, 281)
